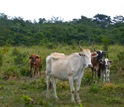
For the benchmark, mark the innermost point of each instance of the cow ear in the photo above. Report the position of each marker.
(30, 57)
(110, 62)
(94, 54)
(37, 56)
(80, 54)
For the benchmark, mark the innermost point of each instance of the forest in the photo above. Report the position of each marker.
(99, 29)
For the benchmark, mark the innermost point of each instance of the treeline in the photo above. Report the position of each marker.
(101, 28)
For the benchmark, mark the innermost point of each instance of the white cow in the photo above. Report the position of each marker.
(105, 69)
(71, 67)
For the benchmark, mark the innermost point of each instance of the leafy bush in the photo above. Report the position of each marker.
(94, 88)
(5, 50)
(27, 100)
(19, 59)
(108, 87)
(120, 62)
(15, 52)
(11, 71)
(1, 59)
(113, 100)
(24, 71)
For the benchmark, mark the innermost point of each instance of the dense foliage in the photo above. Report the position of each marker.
(16, 31)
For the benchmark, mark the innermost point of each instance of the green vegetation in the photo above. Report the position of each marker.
(17, 89)
(101, 28)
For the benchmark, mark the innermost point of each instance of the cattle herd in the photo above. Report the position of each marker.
(71, 68)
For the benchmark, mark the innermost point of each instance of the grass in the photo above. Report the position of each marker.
(23, 91)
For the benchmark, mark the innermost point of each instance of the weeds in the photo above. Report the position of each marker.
(94, 88)
(26, 99)
(113, 100)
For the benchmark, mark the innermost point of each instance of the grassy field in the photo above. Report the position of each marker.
(17, 89)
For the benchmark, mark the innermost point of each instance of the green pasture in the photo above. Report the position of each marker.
(17, 89)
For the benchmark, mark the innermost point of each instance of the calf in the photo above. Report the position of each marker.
(105, 69)
(35, 64)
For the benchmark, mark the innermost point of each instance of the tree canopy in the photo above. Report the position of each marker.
(16, 31)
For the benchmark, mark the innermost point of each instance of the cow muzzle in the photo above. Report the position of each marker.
(34, 63)
(90, 65)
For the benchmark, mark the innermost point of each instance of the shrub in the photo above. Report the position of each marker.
(15, 52)
(24, 71)
(11, 71)
(5, 50)
(108, 86)
(94, 88)
(19, 59)
(113, 100)
(119, 64)
(1, 59)
(27, 100)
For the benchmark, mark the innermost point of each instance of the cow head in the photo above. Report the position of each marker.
(86, 56)
(106, 62)
(100, 54)
(33, 58)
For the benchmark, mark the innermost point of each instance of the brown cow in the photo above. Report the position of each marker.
(96, 63)
(35, 64)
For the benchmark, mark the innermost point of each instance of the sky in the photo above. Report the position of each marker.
(64, 9)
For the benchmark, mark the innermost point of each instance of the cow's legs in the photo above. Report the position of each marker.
(35, 72)
(48, 84)
(54, 88)
(71, 82)
(104, 76)
(78, 84)
(108, 75)
(31, 72)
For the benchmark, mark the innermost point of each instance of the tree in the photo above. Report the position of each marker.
(103, 21)
(118, 19)
(42, 20)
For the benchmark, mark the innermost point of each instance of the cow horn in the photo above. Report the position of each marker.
(92, 46)
(80, 46)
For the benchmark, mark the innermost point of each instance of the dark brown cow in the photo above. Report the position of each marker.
(95, 64)
(35, 64)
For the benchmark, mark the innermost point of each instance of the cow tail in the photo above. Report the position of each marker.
(50, 85)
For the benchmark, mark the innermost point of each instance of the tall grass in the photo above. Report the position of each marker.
(11, 59)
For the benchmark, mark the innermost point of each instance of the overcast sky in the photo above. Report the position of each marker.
(66, 9)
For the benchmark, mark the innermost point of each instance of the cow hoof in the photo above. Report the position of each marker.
(57, 98)
(47, 96)
(73, 101)
(78, 101)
